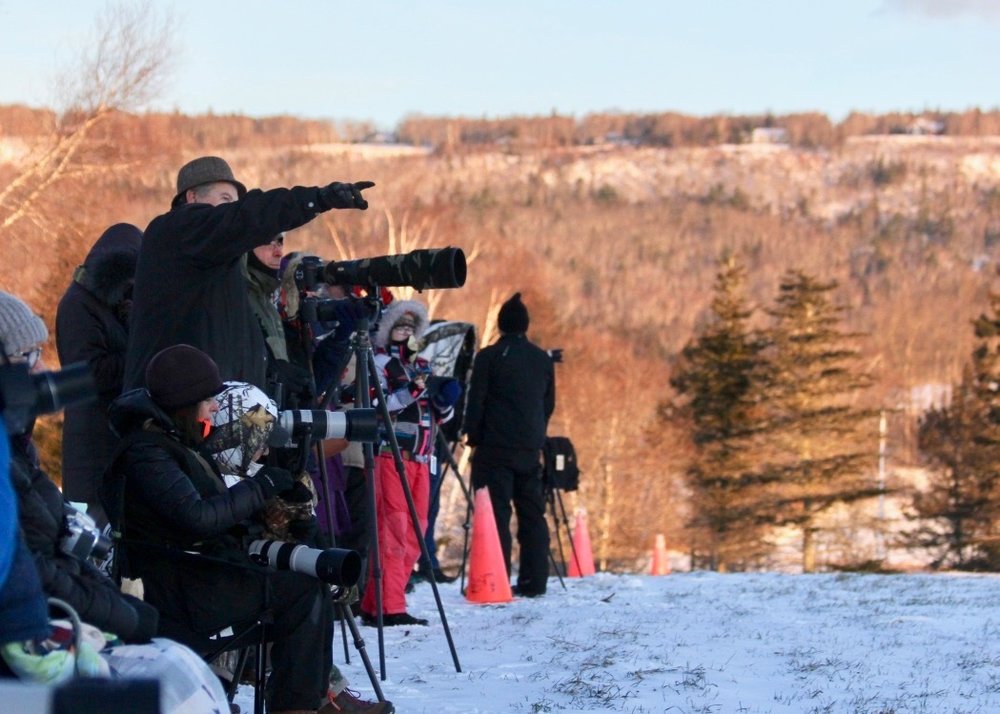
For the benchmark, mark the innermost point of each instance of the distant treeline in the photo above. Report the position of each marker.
(682, 130)
(665, 129)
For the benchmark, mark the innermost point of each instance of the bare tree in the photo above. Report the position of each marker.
(123, 65)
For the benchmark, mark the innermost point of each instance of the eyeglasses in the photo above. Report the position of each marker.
(30, 357)
(405, 326)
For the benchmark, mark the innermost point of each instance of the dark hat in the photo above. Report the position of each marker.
(207, 169)
(513, 315)
(182, 375)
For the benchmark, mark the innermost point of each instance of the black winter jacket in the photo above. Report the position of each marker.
(90, 327)
(190, 285)
(512, 394)
(174, 498)
(93, 595)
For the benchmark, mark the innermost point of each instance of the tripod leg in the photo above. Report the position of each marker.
(414, 518)
(569, 535)
(362, 352)
(467, 527)
(359, 645)
(562, 556)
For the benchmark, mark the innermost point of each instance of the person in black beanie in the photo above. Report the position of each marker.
(512, 394)
(164, 492)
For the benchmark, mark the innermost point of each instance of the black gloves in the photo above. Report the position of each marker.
(273, 480)
(298, 493)
(344, 195)
(295, 379)
(147, 624)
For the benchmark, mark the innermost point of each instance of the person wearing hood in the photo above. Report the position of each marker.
(191, 286)
(512, 394)
(415, 413)
(92, 327)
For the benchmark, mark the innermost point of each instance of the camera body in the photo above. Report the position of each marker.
(24, 395)
(313, 309)
(83, 539)
(309, 272)
(335, 566)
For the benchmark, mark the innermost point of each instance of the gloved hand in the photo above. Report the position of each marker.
(344, 195)
(273, 480)
(147, 625)
(298, 493)
(296, 379)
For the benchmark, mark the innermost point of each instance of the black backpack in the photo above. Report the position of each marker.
(560, 469)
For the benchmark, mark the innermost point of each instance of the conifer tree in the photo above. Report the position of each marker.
(817, 438)
(960, 508)
(716, 379)
(955, 510)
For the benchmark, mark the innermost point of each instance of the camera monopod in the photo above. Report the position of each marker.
(366, 378)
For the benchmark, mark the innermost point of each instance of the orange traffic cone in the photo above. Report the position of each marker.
(488, 581)
(581, 559)
(660, 564)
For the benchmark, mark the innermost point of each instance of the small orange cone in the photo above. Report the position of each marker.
(581, 560)
(660, 564)
(488, 581)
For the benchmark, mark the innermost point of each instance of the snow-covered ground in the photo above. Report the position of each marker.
(701, 642)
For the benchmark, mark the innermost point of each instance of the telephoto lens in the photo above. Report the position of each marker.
(336, 566)
(352, 424)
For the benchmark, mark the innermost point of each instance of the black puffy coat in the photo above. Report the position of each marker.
(173, 497)
(91, 328)
(512, 394)
(190, 286)
(92, 594)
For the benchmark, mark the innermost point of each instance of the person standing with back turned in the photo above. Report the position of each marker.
(512, 394)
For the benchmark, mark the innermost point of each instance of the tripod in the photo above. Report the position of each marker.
(366, 376)
(341, 598)
(553, 496)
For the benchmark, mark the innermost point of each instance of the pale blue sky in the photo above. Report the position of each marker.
(383, 59)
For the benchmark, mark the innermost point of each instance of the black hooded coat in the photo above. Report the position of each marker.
(91, 327)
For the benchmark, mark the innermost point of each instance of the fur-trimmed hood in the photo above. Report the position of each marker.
(391, 315)
(109, 268)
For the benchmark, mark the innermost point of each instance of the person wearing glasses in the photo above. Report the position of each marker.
(404, 379)
(263, 263)
(92, 327)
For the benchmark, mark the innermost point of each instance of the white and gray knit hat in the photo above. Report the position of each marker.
(20, 328)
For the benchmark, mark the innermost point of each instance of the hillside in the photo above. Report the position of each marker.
(615, 248)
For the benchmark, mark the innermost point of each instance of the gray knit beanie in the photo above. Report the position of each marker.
(20, 328)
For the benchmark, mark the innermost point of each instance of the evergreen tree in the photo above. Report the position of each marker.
(715, 379)
(956, 508)
(818, 455)
(963, 440)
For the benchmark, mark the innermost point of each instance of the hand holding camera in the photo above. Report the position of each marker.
(344, 195)
(273, 480)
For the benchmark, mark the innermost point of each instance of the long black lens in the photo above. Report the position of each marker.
(420, 269)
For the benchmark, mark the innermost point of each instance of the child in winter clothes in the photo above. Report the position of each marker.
(403, 376)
